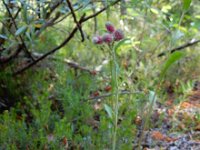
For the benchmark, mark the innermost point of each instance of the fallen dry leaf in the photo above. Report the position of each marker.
(169, 139)
(170, 112)
(184, 105)
(157, 135)
(181, 126)
(197, 128)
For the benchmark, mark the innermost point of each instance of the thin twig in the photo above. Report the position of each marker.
(47, 24)
(17, 13)
(111, 94)
(12, 56)
(64, 17)
(70, 63)
(191, 43)
(95, 18)
(76, 65)
(53, 8)
(100, 11)
(75, 20)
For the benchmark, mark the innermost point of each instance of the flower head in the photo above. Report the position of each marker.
(110, 27)
(97, 39)
(107, 38)
(118, 35)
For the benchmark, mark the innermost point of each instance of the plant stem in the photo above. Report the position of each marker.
(114, 76)
(146, 120)
(149, 112)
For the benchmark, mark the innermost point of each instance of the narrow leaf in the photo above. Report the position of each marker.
(186, 4)
(108, 110)
(38, 25)
(124, 41)
(3, 36)
(152, 97)
(21, 30)
(28, 36)
(171, 60)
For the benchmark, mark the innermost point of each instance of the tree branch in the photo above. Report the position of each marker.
(192, 42)
(50, 52)
(47, 24)
(64, 17)
(70, 63)
(75, 20)
(95, 18)
(71, 35)
(53, 8)
(15, 25)
(100, 11)
(17, 13)
(124, 92)
(12, 56)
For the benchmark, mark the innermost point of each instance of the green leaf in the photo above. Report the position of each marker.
(152, 97)
(171, 60)
(124, 41)
(3, 36)
(21, 30)
(108, 110)
(29, 36)
(155, 11)
(186, 4)
(24, 12)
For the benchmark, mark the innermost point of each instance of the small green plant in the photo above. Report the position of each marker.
(173, 58)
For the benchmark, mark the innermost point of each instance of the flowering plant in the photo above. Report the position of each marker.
(110, 37)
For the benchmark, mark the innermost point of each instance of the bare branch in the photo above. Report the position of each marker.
(64, 17)
(124, 92)
(47, 24)
(71, 35)
(17, 13)
(95, 18)
(57, 4)
(70, 63)
(100, 11)
(191, 43)
(75, 20)
(12, 56)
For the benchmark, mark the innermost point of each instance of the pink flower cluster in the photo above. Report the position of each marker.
(109, 37)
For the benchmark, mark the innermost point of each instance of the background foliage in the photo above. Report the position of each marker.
(59, 102)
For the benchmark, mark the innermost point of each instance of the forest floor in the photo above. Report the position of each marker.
(175, 126)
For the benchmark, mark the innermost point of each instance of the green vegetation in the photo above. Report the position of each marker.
(69, 81)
